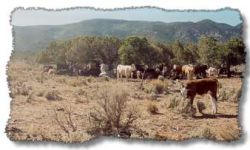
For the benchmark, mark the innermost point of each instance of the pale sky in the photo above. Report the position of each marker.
(23, 17)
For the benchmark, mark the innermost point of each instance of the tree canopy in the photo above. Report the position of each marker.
(140, 50)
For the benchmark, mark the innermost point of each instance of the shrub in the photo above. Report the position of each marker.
(53, 96)
(41, 78)
(77, 82)
(112, 116)
(40, 93)
(30, 97)
(81, 92)
(181, 106)
(159, 87)
(22, 90)
(173, 102)
(64, 119)
(104, 78)
(152, 109)
(206, 133)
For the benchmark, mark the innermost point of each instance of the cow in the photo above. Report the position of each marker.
(201, 86)
(200, 71)
(188, 70)
(52, 71)
(164, 71)
(46, 68)
(104, 70)
(125, 70)
(138, 74)
(151, 73)
(176, 72)
(212, 72)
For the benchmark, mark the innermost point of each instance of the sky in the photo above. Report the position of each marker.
(22, 17)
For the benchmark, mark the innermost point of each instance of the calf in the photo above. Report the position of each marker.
(200, 87)
(212, 72)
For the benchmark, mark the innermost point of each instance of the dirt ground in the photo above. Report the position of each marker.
(57, 107)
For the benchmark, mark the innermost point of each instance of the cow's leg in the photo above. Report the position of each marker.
(191, 98)
(213, 99)
(131, 74)
(117, 75)
(126, 73)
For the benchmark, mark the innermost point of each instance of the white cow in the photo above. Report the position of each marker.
(104, 70)
(125, 70)
(212, 72)
(52, 71)
(138, 74)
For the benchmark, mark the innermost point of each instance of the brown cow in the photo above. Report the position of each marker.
(200, 87)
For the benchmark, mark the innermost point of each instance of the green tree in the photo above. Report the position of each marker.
(180, 53)
(233, 53)
(208, 51)
(107, 51)
(44, 58)
(136, 50)
(190, 53)
(166, 54)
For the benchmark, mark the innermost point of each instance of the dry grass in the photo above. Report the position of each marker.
(53, 96)
(162, 116)
(153, 109)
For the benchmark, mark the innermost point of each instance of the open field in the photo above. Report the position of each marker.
(58, 107)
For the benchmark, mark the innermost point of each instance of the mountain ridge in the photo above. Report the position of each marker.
(37, 37)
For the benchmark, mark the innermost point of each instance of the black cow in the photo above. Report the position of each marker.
(200, 71)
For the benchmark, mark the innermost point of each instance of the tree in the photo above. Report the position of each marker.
(233, 53)
(43, 57)
(82, 50)
(108, 50)
(165, 54)
(180, 53)
(208, 51)
(190, 53)
(136, 50)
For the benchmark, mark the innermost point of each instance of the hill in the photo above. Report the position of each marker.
(38, 37)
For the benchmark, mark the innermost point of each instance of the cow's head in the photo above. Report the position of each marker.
(133, 67)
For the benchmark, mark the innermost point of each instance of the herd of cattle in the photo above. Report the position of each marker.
(138, 71)
(201, 78)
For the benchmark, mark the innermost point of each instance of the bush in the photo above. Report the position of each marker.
(112, 116)
(159, 87)
(81, 92)
(53, 96)
(63, 117)
(41, 78)
(152, 109)
(30, 97)
(206, 133)
(103, 78)
(181, 106)
(22, 90)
